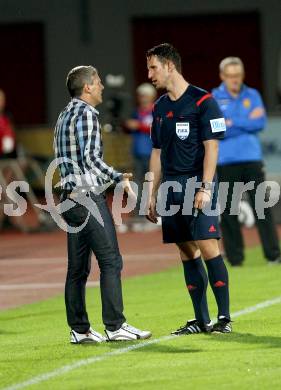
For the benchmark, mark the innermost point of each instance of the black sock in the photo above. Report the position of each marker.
(197, 281)
(218, 277)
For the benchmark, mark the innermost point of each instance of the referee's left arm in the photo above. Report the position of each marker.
(212, 128)
(210, 160)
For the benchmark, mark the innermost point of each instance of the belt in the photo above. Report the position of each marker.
(74, 195)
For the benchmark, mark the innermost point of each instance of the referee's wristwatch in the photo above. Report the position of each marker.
(206, 185)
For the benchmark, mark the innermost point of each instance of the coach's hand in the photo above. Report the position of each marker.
(202, 197)
(127, 176)
(127, 186)
(152, 214)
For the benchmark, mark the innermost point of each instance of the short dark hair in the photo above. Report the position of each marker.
(78, 77)
(166, 52)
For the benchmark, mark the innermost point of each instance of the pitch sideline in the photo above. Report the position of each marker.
(84, 362)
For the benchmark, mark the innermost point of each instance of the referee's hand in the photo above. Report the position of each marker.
(152, 214)
(202, 198)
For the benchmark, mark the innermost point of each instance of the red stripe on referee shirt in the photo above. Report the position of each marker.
(207, 96)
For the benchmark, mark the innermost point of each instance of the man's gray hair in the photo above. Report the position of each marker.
(146, 89)
(78, 77)
(230, 61)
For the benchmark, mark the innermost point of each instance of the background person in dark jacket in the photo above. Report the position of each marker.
(139, 126)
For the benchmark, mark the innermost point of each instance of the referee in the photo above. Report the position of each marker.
(78, 143)
(187, 124)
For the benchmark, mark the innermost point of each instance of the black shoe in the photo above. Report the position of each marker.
(192, 327)
(223, 326)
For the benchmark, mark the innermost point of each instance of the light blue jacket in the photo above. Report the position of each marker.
(241, 142)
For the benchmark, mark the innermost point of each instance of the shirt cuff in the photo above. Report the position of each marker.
(118, 177)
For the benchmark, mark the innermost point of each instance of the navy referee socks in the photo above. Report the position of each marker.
(218, 278)
(197, 281)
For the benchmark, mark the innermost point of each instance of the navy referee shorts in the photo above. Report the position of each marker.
(196, 225)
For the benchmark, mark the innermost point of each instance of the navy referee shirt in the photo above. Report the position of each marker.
(179, 128)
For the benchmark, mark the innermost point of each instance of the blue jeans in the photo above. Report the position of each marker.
(102, 241)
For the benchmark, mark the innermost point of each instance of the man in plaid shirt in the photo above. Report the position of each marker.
(84, 174)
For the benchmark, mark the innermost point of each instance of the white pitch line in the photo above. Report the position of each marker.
(85, 362)
(38, 286)
(69, 367)
(258, 306)
(133, 256)
(32, 260)
(150, 256)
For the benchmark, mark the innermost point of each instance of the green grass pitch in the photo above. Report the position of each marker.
(34, 339)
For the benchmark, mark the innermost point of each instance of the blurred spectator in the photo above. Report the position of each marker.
(139, 126)
(13, 166)
(279, 82)
(7, 134)
(240, 158)
(7, 149)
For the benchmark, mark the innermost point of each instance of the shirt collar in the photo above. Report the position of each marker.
(89, 105)
(223, 88)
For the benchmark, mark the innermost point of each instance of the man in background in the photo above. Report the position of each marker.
(7, 134)
(139, 126)
(240, 158)
(7, 150)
